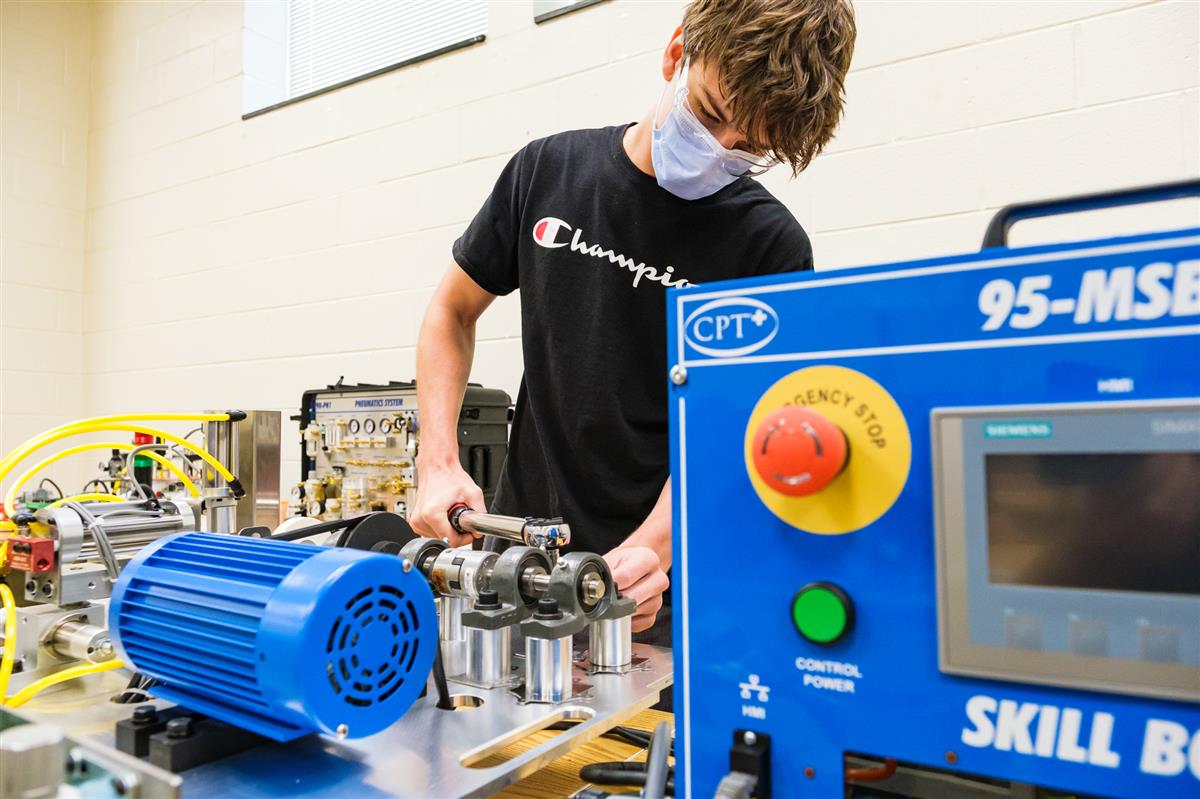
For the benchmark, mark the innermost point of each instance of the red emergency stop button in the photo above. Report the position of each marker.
(798, 451)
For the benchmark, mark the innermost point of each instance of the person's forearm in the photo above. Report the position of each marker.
(444, 352)
(655, 531)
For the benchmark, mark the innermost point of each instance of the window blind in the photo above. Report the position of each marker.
(331, 41)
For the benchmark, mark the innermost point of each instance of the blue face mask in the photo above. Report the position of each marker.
(688, 160)
(683, 164)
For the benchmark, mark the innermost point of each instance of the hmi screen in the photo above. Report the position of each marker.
(1101, 521)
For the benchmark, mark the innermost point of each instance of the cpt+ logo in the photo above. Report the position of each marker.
(731, 327)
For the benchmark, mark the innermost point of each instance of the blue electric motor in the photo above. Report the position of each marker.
(281, 639)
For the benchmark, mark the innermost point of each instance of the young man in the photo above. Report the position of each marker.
(593, 226)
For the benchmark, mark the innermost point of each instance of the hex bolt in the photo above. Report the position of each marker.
(145, 714)
(104, 651)
(121, 785)
(181, 727)
(547, 609)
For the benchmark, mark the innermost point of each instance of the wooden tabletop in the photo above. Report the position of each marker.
(561, 777)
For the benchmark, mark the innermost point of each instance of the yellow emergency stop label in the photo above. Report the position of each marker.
(880, 453)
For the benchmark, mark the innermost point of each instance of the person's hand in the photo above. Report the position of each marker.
(639, 576)
(439, 488)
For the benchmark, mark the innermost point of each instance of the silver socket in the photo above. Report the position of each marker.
(548, 669)
(489, 656)
(610, 643)
(452, 633)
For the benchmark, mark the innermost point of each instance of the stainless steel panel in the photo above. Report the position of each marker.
(258, 469)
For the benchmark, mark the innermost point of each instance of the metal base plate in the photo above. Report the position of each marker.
(423, 755)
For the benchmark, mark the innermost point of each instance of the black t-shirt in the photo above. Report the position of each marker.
(592, 242)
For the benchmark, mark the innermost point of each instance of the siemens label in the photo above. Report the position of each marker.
(1018, 430)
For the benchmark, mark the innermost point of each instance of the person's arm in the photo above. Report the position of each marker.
(445, 349)
(639, 565)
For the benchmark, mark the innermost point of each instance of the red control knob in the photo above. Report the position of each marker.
(798, 452)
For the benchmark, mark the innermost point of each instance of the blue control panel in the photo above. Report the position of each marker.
(946, 512)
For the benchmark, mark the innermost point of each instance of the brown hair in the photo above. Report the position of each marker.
(782, 67)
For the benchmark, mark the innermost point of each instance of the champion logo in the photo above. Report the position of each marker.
(545, 231)
(551, 233)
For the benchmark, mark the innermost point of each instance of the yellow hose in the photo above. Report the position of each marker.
(10, 637)
(34, 688)
(11, 497)
(36, 441)
(86, 498)
(71, 430)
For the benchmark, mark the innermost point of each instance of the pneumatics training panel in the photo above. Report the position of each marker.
(360, 445)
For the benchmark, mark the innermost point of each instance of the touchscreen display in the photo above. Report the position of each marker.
(1107, 521)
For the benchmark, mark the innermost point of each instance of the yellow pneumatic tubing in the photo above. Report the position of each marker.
(34, 688)
(11, 497)
(86, 498)
(71, 430)
(7, 462)
(10, 637)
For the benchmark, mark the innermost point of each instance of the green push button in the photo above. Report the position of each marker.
(822, 612)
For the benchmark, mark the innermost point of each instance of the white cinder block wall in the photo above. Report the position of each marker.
(235, 262)
(45, 57)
